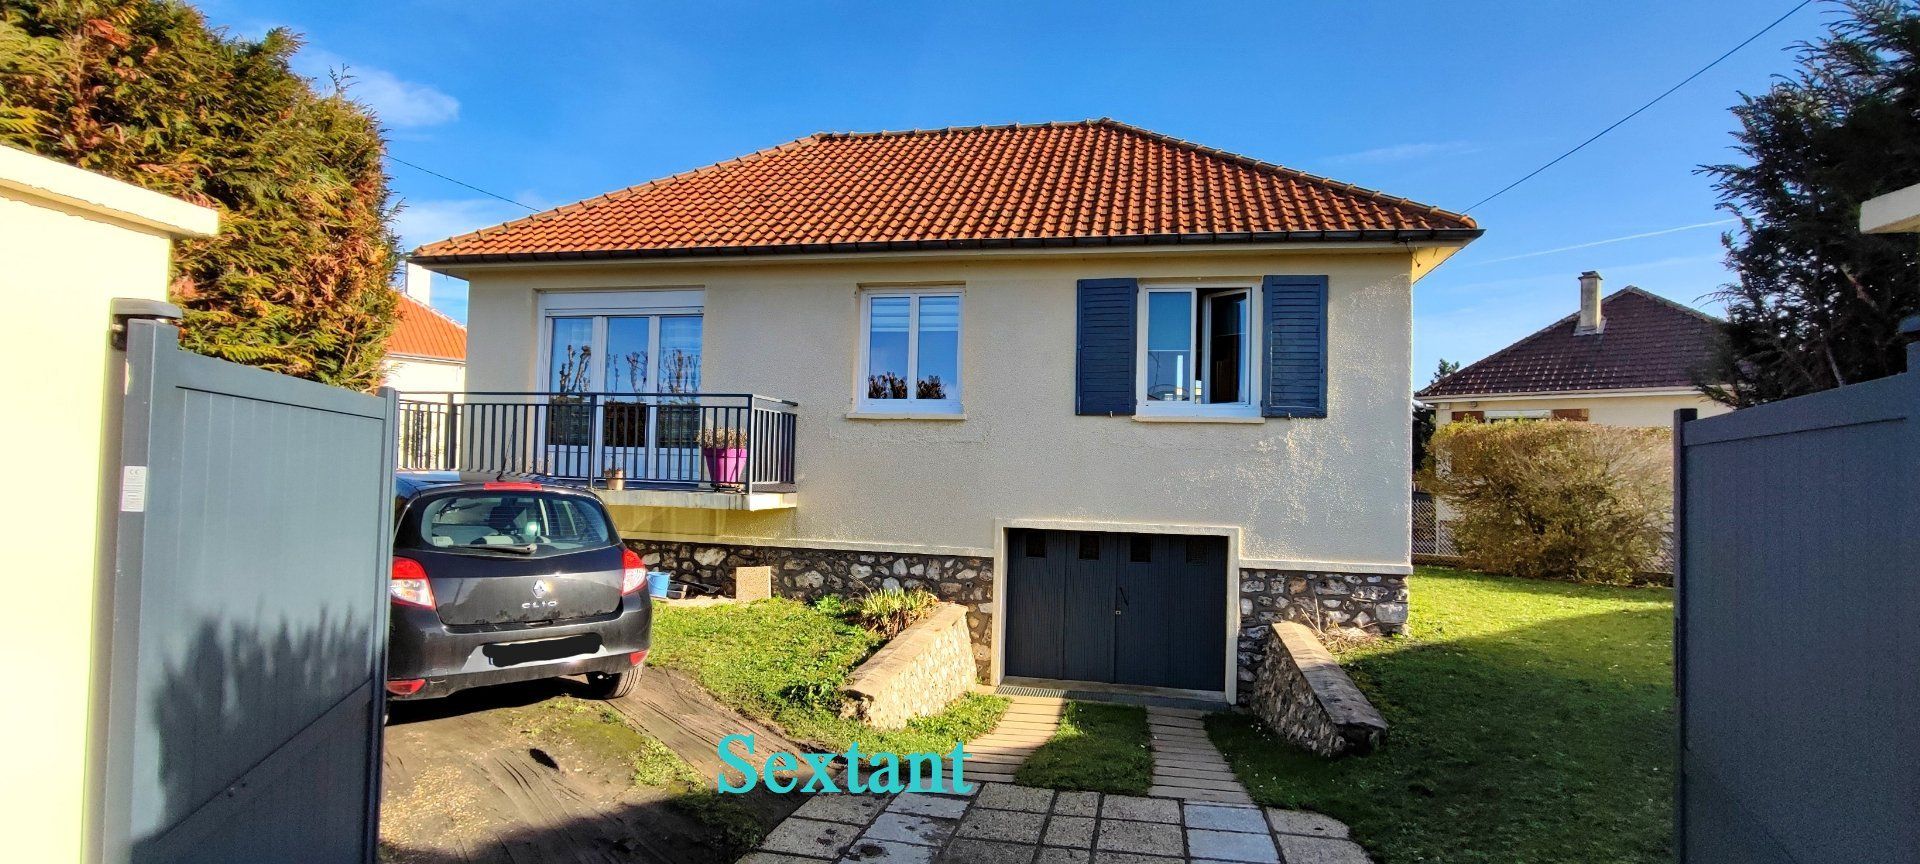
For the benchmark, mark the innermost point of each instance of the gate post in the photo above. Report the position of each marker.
(1681, 417)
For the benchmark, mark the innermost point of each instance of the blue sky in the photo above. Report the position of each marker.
(1442, 103)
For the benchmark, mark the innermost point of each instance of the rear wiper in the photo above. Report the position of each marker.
(527, 549)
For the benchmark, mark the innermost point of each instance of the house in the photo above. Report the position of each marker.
(428, 350)
(1125, 396)
(1626, 360)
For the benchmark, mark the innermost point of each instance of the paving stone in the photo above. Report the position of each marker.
(1219, 817)
(1306, 824)
(1232, 846)
(906, 828)
(810, 837)
(864, 851)
(923, 804)
(850, 809)
(1139, 809)
(1053, 855)
(1070, 831)
(1321, 850)
(771, 858)
(1011, 825)
(967, 850)
(1006, 796)
(1076, 803)
(1132, 858)
(1152, 838)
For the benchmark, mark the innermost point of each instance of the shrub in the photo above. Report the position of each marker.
(891, 610)
(146, 92)
(1555, 499)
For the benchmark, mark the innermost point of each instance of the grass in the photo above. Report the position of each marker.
(1099, 748)
(784, 662)
(1529, 721)
(598, 730)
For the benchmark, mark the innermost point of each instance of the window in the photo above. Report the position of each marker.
(1516, 415)
(911, 354)
(1197, 351)
(1140, 549)
(523, 525)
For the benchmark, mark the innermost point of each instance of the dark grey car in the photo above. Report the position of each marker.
(510, 579)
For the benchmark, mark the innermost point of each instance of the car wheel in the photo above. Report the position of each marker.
(611, 685)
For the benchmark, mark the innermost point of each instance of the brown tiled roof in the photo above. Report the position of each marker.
(1094, 182)
(1645, 341)
(423, 332)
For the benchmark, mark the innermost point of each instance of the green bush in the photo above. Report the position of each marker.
(891, 610)
(145, 92)
(1555, 499)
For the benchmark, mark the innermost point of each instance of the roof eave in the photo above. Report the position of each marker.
(1462, 235)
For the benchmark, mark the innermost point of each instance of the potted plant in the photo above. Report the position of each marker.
(725, 452)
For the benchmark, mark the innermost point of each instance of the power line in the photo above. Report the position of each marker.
(1636, 112)
(460, 183)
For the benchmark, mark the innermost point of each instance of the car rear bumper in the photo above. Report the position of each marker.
(454, 659)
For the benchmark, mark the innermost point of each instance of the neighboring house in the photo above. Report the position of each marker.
(1627, 360)
(428, 350)
(1124, 396)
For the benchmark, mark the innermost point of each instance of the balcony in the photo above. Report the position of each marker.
(715, 451)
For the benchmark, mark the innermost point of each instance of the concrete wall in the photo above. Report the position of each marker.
(1653, 409)
(421, 375)
(71, 241)
(1310, 493)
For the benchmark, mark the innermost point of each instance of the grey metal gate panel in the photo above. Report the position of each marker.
(1796, 664)
(249, 606)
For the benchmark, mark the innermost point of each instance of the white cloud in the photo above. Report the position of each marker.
(399, 103)
(426, 221)
(1403, 152)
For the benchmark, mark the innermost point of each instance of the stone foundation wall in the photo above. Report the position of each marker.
(807, 574)
(1371, 602)
(917, 673)
(1304, 696)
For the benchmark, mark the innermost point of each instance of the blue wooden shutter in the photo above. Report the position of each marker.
(1105, 338)
(1296, 346)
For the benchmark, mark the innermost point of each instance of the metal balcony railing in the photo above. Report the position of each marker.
(724, 442)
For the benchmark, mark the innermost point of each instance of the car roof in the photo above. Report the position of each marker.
(410, 484)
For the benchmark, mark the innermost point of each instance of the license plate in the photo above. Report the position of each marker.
(536, 650)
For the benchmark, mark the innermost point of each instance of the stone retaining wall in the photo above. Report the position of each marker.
(1371, 602)
(1304, 696)
(807, 574)
(917, 673)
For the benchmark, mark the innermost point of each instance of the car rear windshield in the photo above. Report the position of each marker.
(521, 524)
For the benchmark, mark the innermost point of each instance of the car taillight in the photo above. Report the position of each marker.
(637, 657)
(633, 573)
(409, 585)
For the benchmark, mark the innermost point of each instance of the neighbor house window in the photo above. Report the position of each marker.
(911, 352)
(1196, 351)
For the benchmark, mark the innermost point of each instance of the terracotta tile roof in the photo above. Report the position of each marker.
(1645, 341)
(1096, 182)
(423, 331)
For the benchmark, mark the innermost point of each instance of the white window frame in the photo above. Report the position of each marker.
(1249, 404)
(599, 306)
(912, 404)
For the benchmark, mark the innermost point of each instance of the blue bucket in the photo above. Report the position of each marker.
(657, 581)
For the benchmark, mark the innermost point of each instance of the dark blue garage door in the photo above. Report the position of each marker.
(1145, 609)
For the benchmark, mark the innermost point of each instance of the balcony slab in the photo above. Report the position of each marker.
(699, 500)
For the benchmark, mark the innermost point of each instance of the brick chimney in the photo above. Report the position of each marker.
(1590, 318)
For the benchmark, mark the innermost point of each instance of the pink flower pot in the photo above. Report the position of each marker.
(724, 465)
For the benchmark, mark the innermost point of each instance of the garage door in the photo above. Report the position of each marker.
(1146, 609)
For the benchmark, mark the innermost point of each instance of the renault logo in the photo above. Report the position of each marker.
(541, 588)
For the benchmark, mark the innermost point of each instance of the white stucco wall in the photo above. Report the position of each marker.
(1646, 409)
(70, 241)
(424, 375)
(1326, 492)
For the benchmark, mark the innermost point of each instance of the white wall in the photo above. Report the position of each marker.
(1308, 492)
(1635, 410)
(70, 242)
(424, 375)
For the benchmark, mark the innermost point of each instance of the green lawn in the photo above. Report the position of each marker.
(1529, 721)
(1099, 748)
(783, 661)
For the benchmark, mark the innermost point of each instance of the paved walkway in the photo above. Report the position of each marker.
(1007, 824)
(1185, 764)
(1028, 723)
